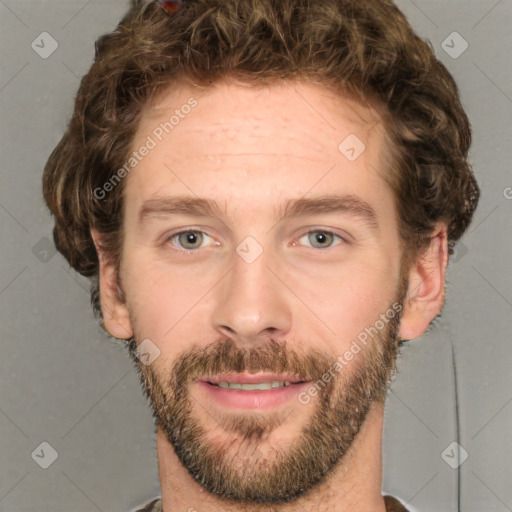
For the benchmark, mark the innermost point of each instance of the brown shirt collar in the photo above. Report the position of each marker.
(392, 505)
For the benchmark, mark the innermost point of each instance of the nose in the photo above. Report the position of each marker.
(252, 302)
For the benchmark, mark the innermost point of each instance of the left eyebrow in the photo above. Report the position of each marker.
(349, 204)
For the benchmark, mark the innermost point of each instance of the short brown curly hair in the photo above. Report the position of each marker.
(364, 48)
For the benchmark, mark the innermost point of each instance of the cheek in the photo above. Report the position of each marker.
(165, 301)
(146, 295)
(345, 300)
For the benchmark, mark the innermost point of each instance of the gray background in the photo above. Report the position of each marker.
(64, 383)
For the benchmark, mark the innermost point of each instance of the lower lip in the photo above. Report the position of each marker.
(240, 399)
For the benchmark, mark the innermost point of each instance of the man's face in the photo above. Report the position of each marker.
(248, 290)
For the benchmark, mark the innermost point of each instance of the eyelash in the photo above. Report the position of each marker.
(171, 237)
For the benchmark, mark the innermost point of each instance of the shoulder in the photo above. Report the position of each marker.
(393, 505)
(155, 505)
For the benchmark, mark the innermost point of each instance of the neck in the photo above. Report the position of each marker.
(355, 484)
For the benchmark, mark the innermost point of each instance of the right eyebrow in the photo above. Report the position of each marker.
(178, 205)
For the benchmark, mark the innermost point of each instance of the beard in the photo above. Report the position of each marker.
(236, 464)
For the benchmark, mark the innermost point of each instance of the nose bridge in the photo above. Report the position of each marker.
(252, 301)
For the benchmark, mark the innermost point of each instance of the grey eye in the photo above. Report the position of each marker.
(320, 239)
(194, 238)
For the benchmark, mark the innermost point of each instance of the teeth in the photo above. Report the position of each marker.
(262, 386)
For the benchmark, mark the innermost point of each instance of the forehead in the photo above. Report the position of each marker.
(240, 114)
(241, 143)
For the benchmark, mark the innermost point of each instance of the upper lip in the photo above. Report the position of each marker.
(252, 378)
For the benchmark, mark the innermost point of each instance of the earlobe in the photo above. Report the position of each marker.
(116, 318)
(426, 292)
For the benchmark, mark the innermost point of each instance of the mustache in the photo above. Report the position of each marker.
(225, 356)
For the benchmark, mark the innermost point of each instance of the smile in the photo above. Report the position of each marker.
(262, 386)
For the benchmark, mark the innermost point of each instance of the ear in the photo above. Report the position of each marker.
(426, 291)
(116, 318)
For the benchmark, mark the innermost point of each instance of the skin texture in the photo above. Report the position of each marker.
(297, 307)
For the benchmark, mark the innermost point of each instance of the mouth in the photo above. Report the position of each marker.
(244, 390)
(253, 382)
(261, 386)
